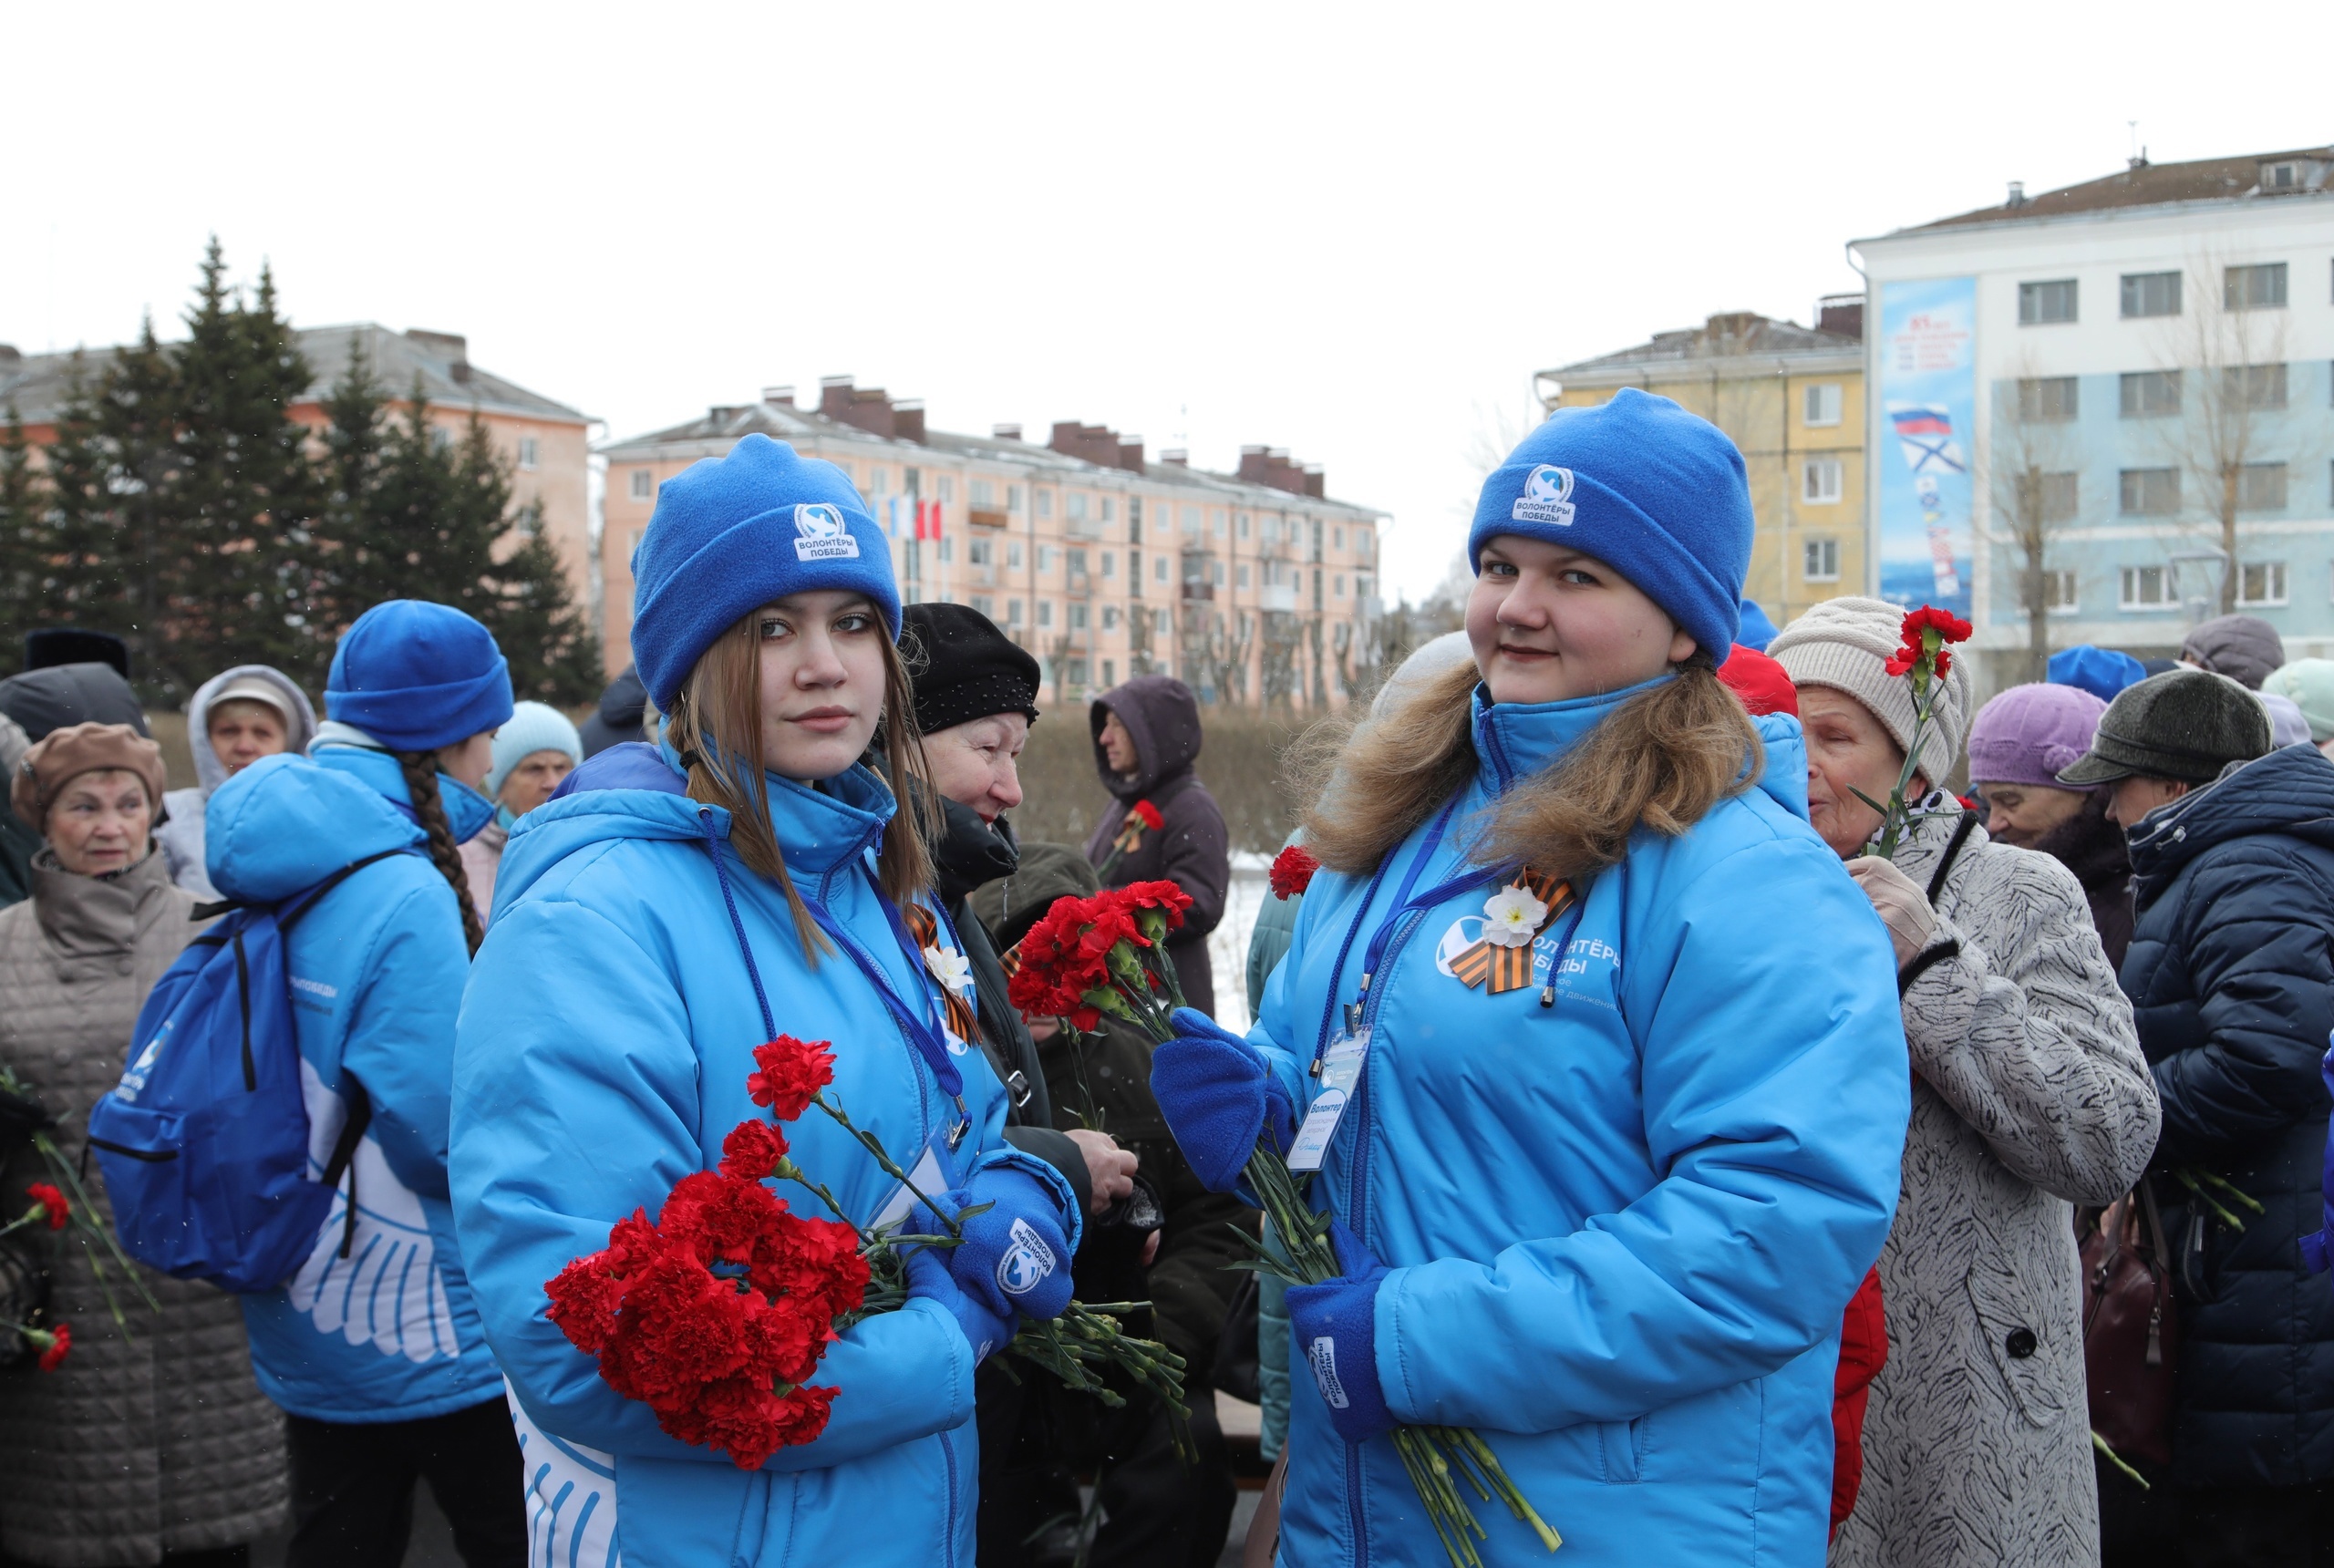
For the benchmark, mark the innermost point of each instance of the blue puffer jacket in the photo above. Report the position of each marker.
(2231, 977)
(1623, 1228)
(390, 1333)
(606, 1041)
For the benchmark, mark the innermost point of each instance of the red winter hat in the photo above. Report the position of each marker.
(1759, 682)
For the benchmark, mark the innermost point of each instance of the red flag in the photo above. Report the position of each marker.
(927, 517)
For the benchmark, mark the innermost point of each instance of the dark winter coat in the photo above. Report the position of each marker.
(1188, 849)
(2095, 849)
(157, 1440)
(2229, 975)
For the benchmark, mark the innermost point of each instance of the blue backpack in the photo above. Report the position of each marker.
(204, 1143)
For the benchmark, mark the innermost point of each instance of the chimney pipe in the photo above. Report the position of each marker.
(1005, 432)
(2017, 193)
(781, 396)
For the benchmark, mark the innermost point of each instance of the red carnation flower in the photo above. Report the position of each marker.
(791, 1074)
(1292, 871)
(1948, 625)
(584, 1297)
(52, 1201)
(804, 1416)
(1149, 814)
(60, 1344)
(1165, 896)
(752, 1150)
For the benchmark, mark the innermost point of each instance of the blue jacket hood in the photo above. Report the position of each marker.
(1515, 741)
(286, 823)
(2288, 792)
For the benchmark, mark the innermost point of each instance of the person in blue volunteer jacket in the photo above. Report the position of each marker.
(374, 1346)
(676, 905)
(1610, 1167)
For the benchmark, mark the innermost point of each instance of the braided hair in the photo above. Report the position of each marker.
(421, 783)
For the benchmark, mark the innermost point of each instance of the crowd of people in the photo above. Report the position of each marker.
(1748, 1157)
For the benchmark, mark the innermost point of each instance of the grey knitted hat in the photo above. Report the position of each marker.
(2182, 723)
(1846, 644)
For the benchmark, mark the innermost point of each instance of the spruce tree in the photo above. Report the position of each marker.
(24, 533)
(554, 655)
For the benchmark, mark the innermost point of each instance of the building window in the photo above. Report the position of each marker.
(2040, 305)
(1216, 572)
(1361, 541)
(1108, 513)
(1076, 561)
(1190, 520)
(1077, 672)
(1109, 619)
(1821, 403)
(2261, 287)
(1013, 611)
(2255, 385)
(1216, 520)
(2261, 582)
(1045, 613)
(946, 489)
(1159, 569)
(2280, 176)
(983, 495)
(985, 605)
(1045, 500)
(1013, 553)
(1272, 531)
(2060, 496)
(1337, 585)
(2150, 294)
(1819, 560)
(2058, 590)
(981, 552)
(1045, 558)
(1110, 672)
(2049, 399)
(529, 452)
(1336, 538)
(1241, 575)
(877, 476)
(1242, 525)
(2150, 393)
(1013, 498)
(1077, 506)
(1110, 563)
(2146, 588)
(947, 549)
(1077, 617)
(1819, 483)
(644, 484)
(2261, 487)
(2148, 492)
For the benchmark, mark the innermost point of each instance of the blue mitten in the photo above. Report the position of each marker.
(1336, 1325)
(1014, 1257)
(928, 1277)
(1219, 1098)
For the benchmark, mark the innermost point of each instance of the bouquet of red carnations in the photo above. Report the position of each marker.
(1086, 957)
(716, 1314)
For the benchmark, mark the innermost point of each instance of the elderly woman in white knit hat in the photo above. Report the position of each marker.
(537, 747)
(2029, 1096)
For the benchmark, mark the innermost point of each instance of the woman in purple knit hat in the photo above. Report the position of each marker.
(2019, 741)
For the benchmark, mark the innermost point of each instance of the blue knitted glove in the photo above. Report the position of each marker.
(1218, 1097)
(1014, 1257)
(928, 1277)
(1336, 1325)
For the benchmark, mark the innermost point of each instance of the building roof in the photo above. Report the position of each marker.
(720, 427)
(37, 385)
(2146, 184)
(1734, 335)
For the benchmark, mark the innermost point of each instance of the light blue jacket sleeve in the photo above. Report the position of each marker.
(1776, 1091)
(401, 1038)
(576, 1095)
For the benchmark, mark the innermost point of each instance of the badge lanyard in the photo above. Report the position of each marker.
(1376, 951)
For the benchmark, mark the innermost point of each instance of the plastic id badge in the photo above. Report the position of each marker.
(933, 1174)
(1341, 1071)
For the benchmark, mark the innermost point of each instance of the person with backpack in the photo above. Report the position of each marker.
(151, 1437)
(1625, 1090)
(234, 719)
(678, 905)
(373, 1346)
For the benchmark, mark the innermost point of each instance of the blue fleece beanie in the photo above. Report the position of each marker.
(1757, 630)
(730, 534)
(533, 727)
(416, 676)
(1651, 490)
(2101, 672)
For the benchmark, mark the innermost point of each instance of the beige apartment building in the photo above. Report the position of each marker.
(1792, 397)
(1255, 587)
(546, 443)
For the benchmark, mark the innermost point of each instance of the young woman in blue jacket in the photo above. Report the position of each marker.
(676, 907)
(374, 1346)
(1624, 1083)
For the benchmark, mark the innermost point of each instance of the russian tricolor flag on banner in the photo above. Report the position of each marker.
(928, 519)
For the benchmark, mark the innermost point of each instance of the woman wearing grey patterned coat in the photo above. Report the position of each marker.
(2029, 1096)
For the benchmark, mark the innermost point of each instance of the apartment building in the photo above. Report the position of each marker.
(1792, 397)
(546, 443)
(1255, 586)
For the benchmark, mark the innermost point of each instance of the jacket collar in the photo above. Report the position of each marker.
(2288, 792)
(1515, 741)
(84, 915)
(820, 826)
(345, 748)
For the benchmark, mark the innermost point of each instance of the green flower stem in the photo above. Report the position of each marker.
(891, 1167)
(2187, 1177)
(2105, 1447)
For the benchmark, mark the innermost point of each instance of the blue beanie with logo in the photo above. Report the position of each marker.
(730, 534)
(1652, 491)
(416, 676)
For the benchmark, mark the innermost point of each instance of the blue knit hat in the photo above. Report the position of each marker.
(1651, 490)
(533, 727)
(416, 676)
(730, 534)
(2101, 672)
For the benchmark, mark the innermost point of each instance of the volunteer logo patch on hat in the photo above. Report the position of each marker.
(823, 535)
(1546, 498)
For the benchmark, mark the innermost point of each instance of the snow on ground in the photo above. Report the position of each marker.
(1227, 948)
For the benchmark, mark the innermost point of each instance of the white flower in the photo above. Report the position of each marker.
(1512, 916)
(951, 968)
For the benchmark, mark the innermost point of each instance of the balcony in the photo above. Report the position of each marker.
(1279, 596)
(1198, 592)
(985, 517)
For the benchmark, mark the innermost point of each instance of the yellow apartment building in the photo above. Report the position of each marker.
(1256, 587)
(1792, 397)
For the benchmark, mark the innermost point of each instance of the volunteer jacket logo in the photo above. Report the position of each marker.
(1026, 1263)
(823, 535)
(1323, 1355)
(1546, 498)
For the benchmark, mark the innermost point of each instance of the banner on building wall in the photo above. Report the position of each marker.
(1928, 339)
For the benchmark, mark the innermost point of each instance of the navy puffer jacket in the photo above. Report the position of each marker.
(2231, 977)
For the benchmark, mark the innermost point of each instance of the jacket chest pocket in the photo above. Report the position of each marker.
(2023, 1339)
(1621, 1449)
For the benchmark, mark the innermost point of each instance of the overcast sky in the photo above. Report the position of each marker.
(1208, 225)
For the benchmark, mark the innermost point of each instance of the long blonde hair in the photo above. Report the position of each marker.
(1660, 760)
(723, 697)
